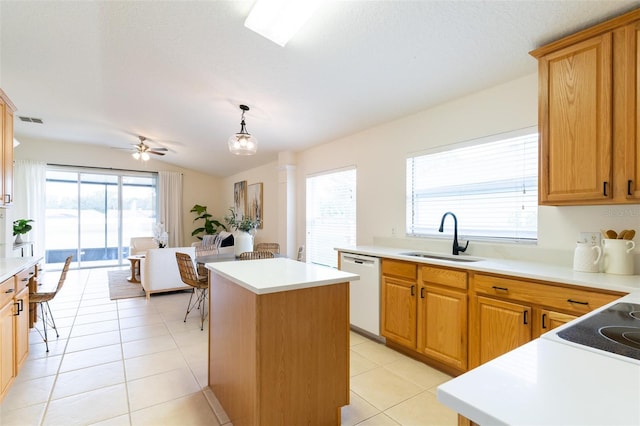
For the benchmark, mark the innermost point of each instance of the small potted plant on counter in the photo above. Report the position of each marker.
(244, 226)
(20, 227)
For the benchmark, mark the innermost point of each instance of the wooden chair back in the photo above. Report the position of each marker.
(188, 272)
(272, 247)
(250, 255)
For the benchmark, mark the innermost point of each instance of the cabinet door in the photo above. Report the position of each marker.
(399, 311)
(21, 315)
(6, 348)
(550, 320)
(575, 113)
(7, 157)
(628, 103)
(502, 326)
(442, 325)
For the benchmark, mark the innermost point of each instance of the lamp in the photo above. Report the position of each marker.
(279, 20)
(242, 143)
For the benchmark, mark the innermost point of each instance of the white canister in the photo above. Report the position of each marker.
(586, 257)
(617, 257)
(242, 242)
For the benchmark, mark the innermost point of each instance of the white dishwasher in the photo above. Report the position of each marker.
(364, 294)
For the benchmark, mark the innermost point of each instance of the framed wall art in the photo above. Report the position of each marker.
(240, 198)
(254, 202)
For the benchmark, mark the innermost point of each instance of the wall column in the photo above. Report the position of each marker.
(286, 203)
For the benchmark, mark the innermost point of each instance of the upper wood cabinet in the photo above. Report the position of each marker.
(6, 148)
(588, 115)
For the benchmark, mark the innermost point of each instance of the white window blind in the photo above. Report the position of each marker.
(491, 185)
(331, 215)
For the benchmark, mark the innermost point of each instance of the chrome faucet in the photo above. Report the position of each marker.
(456, 248)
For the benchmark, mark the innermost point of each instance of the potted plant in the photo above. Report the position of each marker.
(210, 227)
(20, 227)
(244, 226)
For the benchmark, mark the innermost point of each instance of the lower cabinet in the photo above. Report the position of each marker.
(7, 367)
(500, 326)
(508, 312)
(14, 326)
(424, 312)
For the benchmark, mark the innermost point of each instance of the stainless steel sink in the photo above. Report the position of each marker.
(441, 257)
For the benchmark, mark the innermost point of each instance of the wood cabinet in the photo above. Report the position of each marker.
(14, 326)
(424, 310)
(6, 148)
(506, 312)
(588, 116)
(442, 316)
(7, 347)
(399, 302)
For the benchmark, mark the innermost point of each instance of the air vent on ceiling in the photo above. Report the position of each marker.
(30, 119)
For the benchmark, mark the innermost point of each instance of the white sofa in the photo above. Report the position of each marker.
(139, 245)
(159, 270)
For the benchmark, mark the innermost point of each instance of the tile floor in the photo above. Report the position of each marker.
(133, 362)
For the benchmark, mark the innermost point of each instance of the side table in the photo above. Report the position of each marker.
(135, 268)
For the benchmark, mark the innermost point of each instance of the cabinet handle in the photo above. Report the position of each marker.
(577, 301)
(604, 188)
(525, 317)
(544, 316)
(21, 307)
(413, 290)
(11, 290)
(421, 292)
(500, 288)
(629, 187)
(17, 314)
(25, 279)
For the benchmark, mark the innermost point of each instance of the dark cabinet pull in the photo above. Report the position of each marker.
(9, 291)
(21, 307)
(413, 290)
(604, 188)
(577, 301)
(629, 187)
(544, 316)
(18, 310)
(525, 317)
(422, 293)
(500, 288)
(25, 279)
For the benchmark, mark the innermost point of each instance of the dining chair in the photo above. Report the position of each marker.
(43, 299)
(200, 284)
(250, 255)
(272, 247)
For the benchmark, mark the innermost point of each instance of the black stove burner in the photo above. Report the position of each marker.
(615, 329)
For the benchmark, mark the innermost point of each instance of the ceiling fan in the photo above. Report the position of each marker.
(142, 150)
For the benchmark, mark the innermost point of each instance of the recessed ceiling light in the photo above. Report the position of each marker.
(279, 20)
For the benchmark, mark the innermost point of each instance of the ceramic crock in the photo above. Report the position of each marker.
(586, 257)
(617, 257)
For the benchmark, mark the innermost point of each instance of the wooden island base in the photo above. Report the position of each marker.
(279, 358)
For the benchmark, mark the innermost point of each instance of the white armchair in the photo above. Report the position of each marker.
(159, 270)
(139, 245)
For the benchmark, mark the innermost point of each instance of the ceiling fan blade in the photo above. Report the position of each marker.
(159, 149)
(155, 152)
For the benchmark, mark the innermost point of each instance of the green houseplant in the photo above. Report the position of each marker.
(210, 226)
(245, 224)
(20, 227)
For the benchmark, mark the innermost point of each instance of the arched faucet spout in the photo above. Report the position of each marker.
(456, 248)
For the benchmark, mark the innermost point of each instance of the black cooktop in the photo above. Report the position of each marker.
(615, 329)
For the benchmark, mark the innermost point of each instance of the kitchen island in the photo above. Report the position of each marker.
(279, 341)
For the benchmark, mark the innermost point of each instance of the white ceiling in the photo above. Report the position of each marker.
(103, 72)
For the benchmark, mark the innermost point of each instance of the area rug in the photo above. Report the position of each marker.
(120, 288)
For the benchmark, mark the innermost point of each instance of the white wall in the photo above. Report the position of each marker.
(198, 188)
(379, 154)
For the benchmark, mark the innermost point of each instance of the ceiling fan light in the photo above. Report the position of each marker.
(145, 156)
(136, 155)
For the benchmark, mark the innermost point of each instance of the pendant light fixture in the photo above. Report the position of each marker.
(242, 143)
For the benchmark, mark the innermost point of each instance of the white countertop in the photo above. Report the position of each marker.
(265, 276)
(10, 266)
(522, 269)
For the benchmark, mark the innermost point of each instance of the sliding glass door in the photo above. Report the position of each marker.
(92, 214)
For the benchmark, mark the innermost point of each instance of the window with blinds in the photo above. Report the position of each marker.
(490, 184)
(331, 215)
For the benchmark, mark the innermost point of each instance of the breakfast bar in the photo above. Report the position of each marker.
(279, 341)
